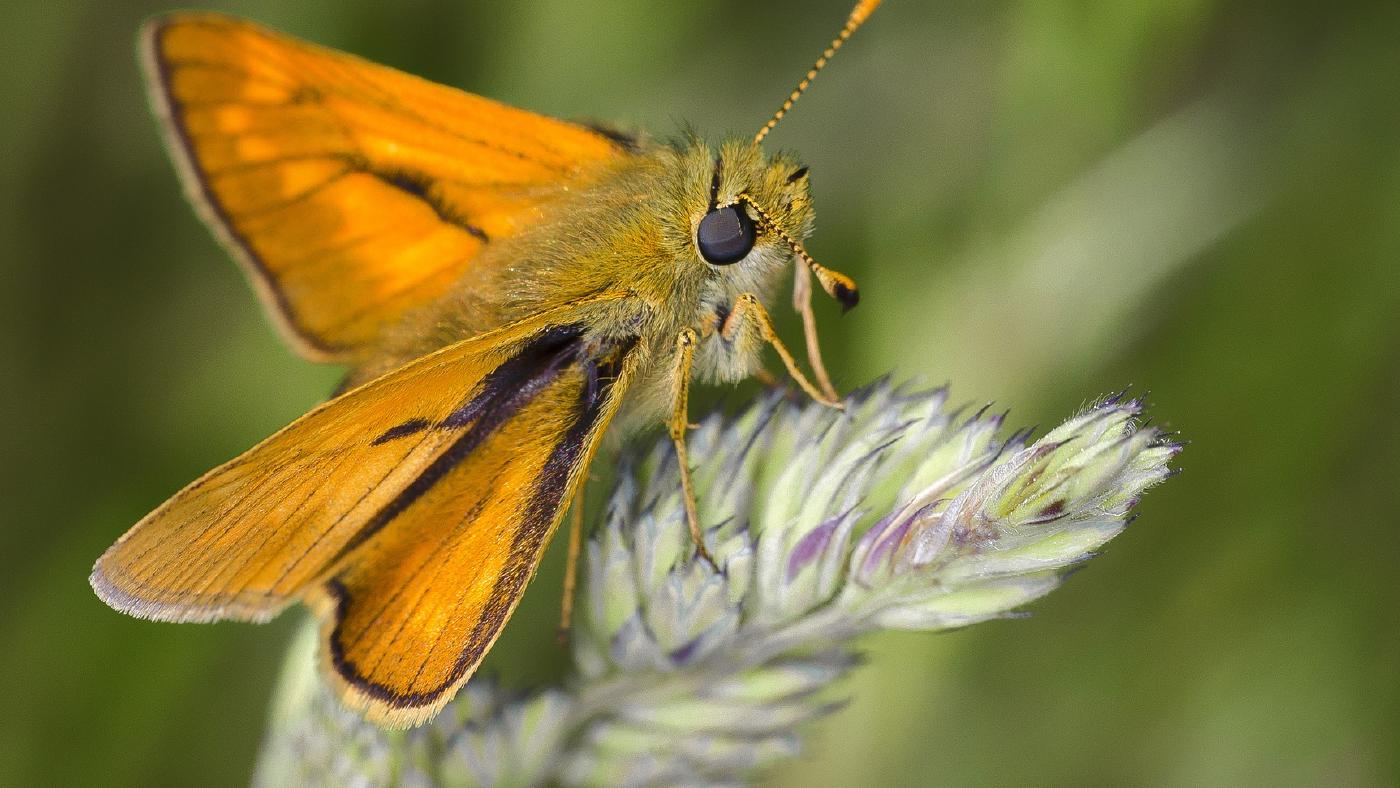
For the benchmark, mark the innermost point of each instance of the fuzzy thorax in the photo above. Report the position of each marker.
(630, 227)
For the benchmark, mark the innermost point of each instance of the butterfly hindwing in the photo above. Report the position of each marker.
(354, 193)
(411, 613)
(409, 512)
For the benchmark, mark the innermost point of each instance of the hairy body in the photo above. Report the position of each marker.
(633, 222)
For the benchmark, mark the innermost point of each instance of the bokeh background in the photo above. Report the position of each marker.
(1043, 201)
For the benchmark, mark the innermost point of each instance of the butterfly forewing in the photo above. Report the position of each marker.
(355, 193)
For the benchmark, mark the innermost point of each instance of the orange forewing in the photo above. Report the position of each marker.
(352, 191)
(409, 512)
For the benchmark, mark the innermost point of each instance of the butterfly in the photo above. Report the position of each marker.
(505, 289)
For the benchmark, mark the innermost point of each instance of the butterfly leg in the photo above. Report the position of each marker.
(772, 382)
(711, 324)
(749, 315)
(767, 379)
(566, 607)
(677, 425)
(802, 302)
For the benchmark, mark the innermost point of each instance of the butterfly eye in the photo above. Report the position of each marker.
(725, 235)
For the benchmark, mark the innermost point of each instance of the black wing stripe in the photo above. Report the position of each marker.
(500, 395)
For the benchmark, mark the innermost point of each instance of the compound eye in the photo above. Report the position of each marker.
(725, 235)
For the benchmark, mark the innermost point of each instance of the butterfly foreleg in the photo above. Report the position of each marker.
(802, 302)
(749, 315)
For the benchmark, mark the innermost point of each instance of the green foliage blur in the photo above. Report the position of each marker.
(1042, 202)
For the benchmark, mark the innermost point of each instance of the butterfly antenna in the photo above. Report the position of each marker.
(836, 284)
(856, 19)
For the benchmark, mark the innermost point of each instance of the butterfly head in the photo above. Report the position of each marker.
(757, 213)
(770, 197)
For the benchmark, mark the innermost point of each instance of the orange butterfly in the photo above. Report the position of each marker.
(505, 288)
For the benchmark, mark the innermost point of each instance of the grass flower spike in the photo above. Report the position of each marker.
(900, 513)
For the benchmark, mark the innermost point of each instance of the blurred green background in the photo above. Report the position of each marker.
(1042, 201)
